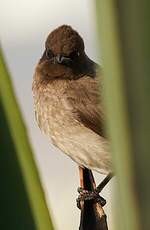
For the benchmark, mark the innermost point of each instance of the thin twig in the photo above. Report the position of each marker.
(104, 182)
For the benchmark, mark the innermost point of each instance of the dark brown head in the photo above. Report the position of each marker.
(64, 55)
(65, 41)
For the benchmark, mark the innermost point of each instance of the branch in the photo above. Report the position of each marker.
(92, 214)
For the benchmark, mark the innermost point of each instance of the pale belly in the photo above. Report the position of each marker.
(81, 144)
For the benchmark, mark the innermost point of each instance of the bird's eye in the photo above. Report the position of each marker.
(74, 54)
(49, 53)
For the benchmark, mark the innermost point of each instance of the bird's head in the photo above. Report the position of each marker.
(64, 42)
(64, 54)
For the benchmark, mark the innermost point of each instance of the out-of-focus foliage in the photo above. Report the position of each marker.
(22, 202)
(124, 32)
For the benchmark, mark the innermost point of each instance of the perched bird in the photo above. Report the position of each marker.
(67, 100)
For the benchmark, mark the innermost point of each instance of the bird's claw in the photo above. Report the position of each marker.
(85, 195)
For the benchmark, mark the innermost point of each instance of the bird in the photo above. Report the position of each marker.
(67, 91)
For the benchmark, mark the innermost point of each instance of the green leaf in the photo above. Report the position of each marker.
(124, 31)
(22, 201)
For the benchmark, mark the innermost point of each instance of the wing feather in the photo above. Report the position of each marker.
(85, 99)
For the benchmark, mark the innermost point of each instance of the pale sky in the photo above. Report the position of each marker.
(24, 26)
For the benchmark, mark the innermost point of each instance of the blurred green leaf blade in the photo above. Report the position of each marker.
(23, 204)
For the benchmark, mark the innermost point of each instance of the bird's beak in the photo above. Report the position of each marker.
(60, 59)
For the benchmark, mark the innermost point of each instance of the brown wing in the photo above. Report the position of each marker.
(85, 99)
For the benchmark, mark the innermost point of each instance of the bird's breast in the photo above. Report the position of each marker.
(52, 112)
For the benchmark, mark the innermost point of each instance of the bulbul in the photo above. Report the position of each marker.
(67, 100)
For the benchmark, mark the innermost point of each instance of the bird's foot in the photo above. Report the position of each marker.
(85, 195)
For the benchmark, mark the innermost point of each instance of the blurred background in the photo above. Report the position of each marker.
(24, 28)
